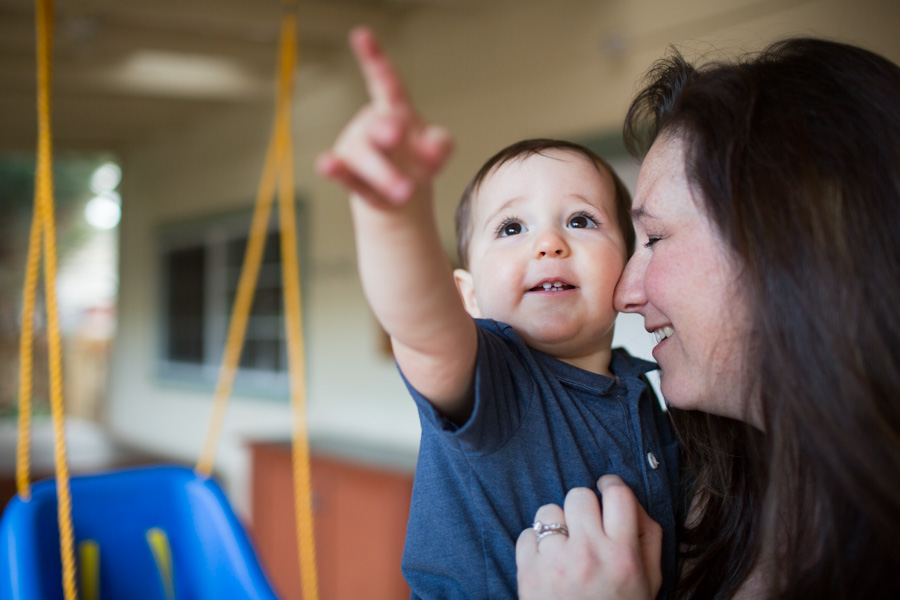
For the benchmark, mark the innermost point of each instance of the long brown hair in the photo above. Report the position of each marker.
(795, 153)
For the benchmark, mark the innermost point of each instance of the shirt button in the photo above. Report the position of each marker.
(652, 461)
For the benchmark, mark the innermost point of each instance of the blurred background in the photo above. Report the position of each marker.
(162, 111)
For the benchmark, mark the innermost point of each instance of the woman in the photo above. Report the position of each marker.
(768, 220)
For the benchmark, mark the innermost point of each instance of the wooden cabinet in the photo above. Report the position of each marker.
(360, 514)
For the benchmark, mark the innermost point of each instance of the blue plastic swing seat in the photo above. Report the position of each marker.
(155, 533)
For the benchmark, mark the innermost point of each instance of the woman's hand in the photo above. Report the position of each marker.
(387, 154)
(613, 553)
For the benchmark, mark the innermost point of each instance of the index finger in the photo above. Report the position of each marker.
(385, 87)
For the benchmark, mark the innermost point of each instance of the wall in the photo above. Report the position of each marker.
(493, 73)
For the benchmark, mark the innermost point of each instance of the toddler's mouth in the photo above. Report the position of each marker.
(552, 286)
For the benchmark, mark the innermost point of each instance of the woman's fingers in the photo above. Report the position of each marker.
(526, 549)
(650, 538)
(626, 522)
(624, 519)
(603, 558)
(620, 520)
(385, 86)
(553, 522)
(531, 542)
(560, 567)
(583, 514)
(535, 554)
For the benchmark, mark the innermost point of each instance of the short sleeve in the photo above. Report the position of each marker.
(504, 387)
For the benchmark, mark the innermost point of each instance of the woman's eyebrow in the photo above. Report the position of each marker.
(640, 214)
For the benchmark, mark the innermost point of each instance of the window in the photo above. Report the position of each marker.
(200, 267)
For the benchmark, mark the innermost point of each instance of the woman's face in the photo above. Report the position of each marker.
(685, 282)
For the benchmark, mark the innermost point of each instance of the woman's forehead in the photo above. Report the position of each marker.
(663, 190)
(662, 174)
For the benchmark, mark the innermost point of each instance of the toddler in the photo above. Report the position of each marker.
(508, 357)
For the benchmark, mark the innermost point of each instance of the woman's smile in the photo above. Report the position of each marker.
(701, 337)
(662, 333)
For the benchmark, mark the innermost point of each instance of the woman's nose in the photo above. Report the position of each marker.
(629, 296)
(550, 244)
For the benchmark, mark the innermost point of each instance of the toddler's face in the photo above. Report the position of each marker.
(546, 252)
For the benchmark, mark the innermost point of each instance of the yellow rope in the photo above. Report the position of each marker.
(44, 226)
(243, 301)
(26, 343)
(279, 163)
(296, 356)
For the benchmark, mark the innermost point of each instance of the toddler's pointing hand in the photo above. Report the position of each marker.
(387, 154)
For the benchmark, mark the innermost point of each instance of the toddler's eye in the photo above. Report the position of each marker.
(510, 227)
(582, 221)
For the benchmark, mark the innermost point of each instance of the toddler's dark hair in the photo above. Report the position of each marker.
(520, 151)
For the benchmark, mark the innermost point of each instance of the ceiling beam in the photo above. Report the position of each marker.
(105, 37)
(87, 122)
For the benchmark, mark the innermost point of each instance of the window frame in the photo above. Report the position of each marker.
(213, 233)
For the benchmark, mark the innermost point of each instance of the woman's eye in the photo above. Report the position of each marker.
(582, 221)
(510, 228)
(652, 240)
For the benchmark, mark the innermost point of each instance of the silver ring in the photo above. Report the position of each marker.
(544, 529)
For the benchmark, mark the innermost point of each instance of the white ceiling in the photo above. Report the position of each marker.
(124, 67)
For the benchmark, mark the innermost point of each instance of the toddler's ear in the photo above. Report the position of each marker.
(466, 288)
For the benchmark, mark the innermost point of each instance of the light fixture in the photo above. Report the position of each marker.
(106, 178)
(104, 210)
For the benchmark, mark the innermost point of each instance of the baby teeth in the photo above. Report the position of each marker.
(555, 284)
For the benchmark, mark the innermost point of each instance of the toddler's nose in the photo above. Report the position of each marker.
(551, 245)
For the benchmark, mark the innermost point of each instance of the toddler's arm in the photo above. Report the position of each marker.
(387, 157)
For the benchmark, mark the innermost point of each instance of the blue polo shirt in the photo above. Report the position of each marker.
(539, 428)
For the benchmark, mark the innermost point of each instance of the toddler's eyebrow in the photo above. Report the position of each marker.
(596, 204)
(503, 208)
